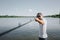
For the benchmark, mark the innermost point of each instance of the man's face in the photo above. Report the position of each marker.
(41, 16)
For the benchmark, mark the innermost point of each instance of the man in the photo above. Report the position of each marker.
(42, 26)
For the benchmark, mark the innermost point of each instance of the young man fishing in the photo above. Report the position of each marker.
(42, 26)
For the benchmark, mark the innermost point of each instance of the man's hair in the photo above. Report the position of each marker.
(39, 14)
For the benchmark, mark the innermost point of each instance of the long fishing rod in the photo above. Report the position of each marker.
(1, 34)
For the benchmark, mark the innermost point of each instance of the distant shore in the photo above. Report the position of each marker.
(54, 16)
(6, 16)
(16, 16)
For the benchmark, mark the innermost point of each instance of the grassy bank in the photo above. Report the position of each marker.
(16, 16)
(54, 16)
(6, 16)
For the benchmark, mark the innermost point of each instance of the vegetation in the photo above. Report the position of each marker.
(6, 16)
(55, 16)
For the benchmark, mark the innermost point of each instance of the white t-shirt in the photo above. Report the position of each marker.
(42, 29)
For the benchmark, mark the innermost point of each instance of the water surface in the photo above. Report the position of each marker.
(28, 31)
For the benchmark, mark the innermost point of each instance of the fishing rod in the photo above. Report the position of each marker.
(1, 34)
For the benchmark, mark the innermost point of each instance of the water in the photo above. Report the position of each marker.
(28, 31)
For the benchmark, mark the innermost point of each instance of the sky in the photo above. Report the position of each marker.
(29, 7)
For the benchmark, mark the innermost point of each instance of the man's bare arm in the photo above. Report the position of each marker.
(39, 21)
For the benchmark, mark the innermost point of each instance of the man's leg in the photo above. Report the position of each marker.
(42, 38)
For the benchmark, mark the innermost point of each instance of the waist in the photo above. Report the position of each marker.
(43, 35)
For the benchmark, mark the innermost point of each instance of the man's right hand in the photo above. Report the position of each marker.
(39, 21)
(36, 19)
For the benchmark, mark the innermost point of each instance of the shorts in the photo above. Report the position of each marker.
(42, 38)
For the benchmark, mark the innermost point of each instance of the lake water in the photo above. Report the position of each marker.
(28, 31)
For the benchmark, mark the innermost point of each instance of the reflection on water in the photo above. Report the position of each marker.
(29, 31)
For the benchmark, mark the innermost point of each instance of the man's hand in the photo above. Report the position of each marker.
(36, 19)
(39, 21)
